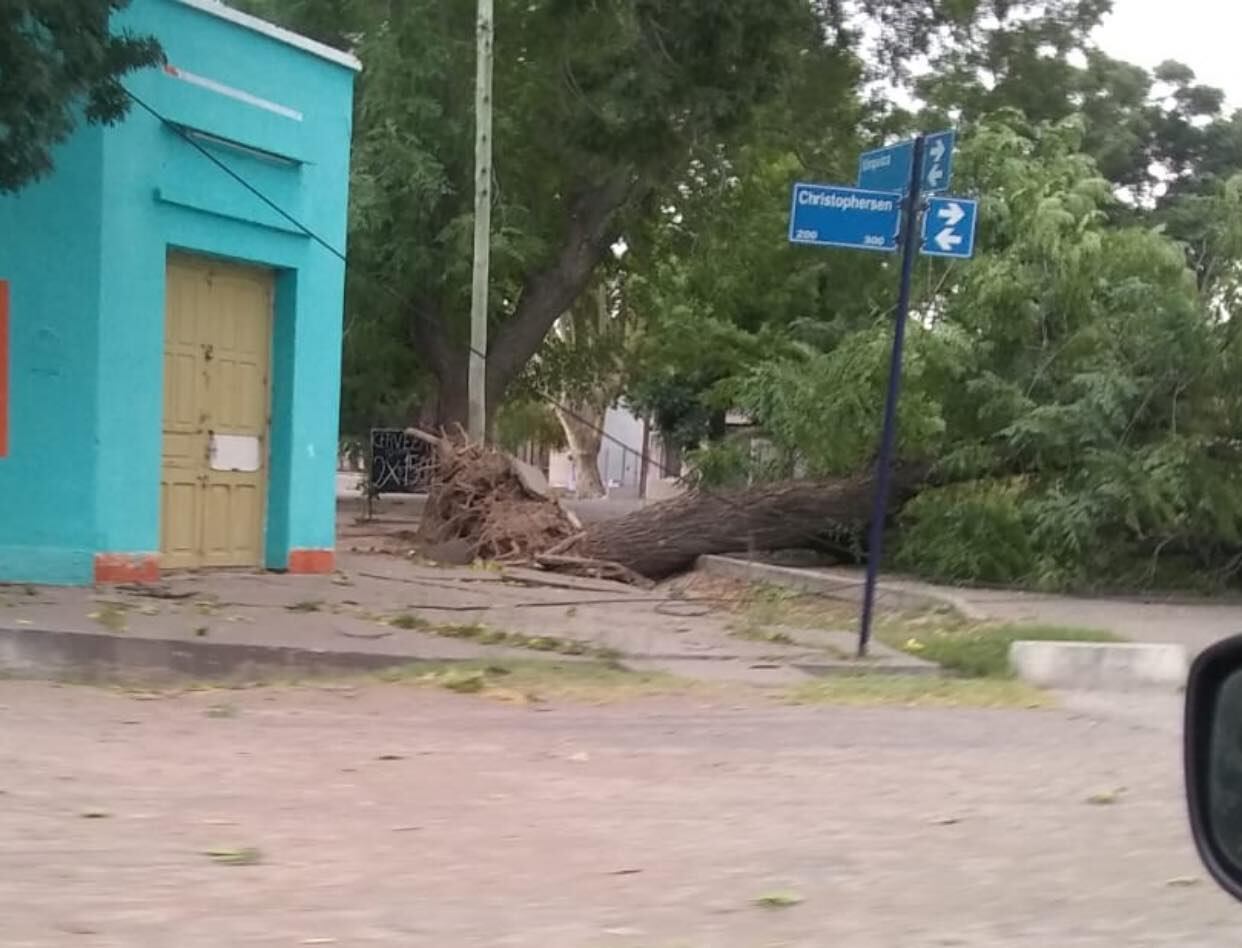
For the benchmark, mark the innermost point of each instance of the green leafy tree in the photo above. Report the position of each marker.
(598, 107)
(714, 275)
(607, 115)
(1155, 133)
(59, 63)
(716, 265)
(1072, 386)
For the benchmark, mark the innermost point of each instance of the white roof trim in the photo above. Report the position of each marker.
(224, 12)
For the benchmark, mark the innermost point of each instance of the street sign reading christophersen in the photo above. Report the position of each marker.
(830, 216)
(883, 213)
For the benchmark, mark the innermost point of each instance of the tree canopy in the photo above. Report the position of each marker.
(59, 63)
(1074, 388)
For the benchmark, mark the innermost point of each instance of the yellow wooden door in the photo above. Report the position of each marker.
(216, 362)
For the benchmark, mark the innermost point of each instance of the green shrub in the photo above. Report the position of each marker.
(969, 532)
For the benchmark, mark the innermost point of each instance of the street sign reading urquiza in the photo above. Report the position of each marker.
(888, 168)
(828, 216)
(882, 214)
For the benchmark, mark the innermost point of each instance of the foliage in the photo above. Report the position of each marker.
(598, 107)
(522, 421)
(973, 532)
(837, 393)
(1077, 386)
(59, 63)
(1073, 384)
(1141, 128)
(587, 349)
(978, 651)
(737, 460)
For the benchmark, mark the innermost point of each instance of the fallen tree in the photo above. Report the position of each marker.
(667, 537)
(496, 506)
(491, 502)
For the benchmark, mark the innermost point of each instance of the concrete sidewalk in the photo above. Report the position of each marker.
(1185, 621)
(384, 609)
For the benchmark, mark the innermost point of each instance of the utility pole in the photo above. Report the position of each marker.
(476, 393)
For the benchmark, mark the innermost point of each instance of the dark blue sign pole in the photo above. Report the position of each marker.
(883, 464)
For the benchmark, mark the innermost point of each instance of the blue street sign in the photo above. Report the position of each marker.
(886, 169)
(938, 161)
(830, 216)
(949, 227)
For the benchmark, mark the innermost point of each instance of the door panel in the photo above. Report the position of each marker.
(216, 358)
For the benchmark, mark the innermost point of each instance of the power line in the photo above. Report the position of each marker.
(818, 538)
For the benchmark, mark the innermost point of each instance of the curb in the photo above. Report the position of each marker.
(856, 669)
(832, 584)
(1100, 666)
(101, 658)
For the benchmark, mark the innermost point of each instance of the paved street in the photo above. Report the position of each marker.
(398, 816)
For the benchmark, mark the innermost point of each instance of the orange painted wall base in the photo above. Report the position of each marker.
(312, 561)
(126, 568)
(145, 568)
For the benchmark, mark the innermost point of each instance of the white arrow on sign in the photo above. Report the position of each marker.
(934, 175)
(937, 150)
(946, 240)
(953, 213)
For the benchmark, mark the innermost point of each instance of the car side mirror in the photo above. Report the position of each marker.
(1213, 759)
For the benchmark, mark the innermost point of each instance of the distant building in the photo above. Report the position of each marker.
(170, 374)
(620, 460)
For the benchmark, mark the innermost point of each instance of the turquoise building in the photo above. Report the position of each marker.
(170, 340)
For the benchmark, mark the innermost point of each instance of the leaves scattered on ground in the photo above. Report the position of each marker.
(111, 615)
(487, 635)
(206, 607)
(306, 605)
(758, 633)
(530, 682)
(1106, 797)
(408, 621)
(246, 856)
(222, 711)
(464, 681)
(778, 900)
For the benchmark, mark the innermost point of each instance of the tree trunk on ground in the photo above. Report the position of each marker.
(489, 505)
(667, 538)
(583, 425)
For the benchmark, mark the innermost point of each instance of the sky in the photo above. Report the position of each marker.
(1206, 35)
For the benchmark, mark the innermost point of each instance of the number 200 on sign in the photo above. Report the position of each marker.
(806, 235)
